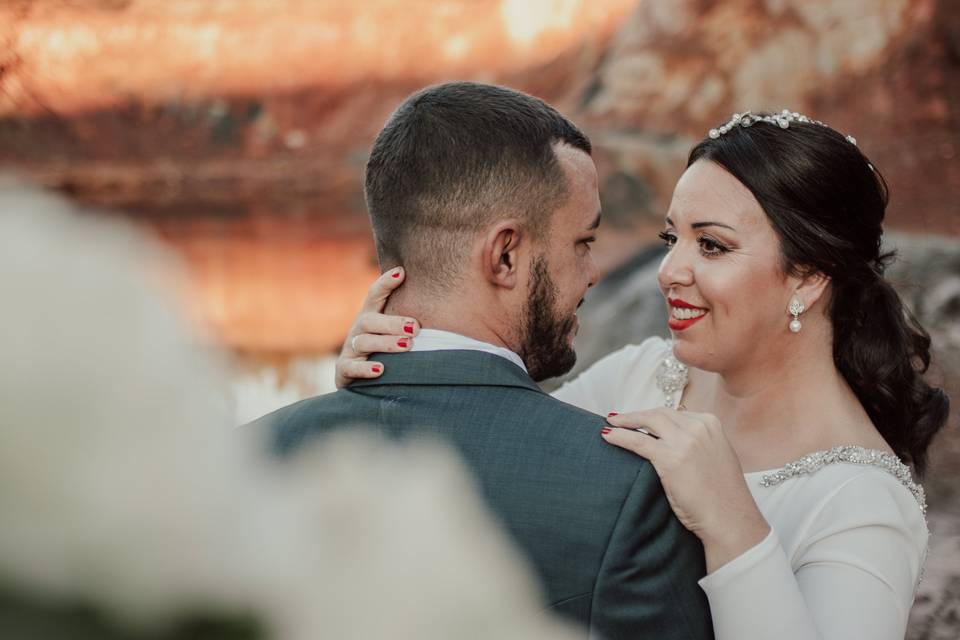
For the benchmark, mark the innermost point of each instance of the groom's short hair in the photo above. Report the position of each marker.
(452, 159)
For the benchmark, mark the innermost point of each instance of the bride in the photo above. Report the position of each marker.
(783, 414)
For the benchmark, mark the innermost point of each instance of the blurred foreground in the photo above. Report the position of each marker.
(133, 509)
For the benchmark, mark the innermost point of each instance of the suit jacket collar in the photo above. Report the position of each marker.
(454, 367)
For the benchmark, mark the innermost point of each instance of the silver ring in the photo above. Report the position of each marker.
(353, 344)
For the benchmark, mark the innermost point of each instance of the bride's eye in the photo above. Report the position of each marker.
(668, 238)
(711, 248)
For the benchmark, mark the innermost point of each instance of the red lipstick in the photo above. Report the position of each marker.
(679, 325)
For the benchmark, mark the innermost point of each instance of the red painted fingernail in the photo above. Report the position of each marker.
(402, 342)
(408, 328)
(612, 413)
(375, 369)
(606, 430)
(395, 274)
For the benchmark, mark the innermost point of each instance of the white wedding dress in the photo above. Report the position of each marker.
(848, 531)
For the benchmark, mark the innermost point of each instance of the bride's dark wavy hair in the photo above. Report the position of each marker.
(826, 203)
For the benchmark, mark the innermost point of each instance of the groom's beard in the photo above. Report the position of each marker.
(545, 349)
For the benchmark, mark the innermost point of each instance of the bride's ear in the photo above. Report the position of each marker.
(811, 288)
(503, 245)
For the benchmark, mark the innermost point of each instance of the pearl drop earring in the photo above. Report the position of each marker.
(796, 308)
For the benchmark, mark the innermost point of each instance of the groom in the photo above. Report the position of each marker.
(488, 199)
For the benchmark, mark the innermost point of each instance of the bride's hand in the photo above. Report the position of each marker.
(701, 476)
(374, 332)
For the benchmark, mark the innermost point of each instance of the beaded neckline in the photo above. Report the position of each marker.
(852, 454)
(672, 378)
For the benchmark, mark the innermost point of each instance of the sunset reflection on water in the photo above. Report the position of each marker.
(278, 292)
(274, 286)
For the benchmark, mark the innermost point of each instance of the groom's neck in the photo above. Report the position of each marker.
(463, 315)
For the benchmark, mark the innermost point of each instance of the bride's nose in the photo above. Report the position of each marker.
(675, 270)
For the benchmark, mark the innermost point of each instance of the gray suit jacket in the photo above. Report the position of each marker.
(592, 518)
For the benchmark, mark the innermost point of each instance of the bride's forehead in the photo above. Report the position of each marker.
(708, 190)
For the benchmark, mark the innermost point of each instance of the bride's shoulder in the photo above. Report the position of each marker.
(847, 488)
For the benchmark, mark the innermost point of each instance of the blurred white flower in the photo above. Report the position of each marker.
(123, 483)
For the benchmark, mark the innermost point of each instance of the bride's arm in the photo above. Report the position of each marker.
(591, 390)
(855, 576)
(843, 562)
(620, 381)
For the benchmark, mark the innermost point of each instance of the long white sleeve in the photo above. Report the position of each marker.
(850, 574)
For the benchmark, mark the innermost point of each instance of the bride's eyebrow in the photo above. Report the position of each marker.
(701, 225)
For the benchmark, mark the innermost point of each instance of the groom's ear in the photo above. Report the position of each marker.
(502, 246)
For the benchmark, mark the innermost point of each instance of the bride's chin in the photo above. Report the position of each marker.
(688, 354)
(679, 353)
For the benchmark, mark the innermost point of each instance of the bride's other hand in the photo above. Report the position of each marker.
(701, 476)
(374, 332)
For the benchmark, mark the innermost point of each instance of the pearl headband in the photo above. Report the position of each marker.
(782, 120)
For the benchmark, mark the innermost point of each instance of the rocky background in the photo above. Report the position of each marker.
(238, 132)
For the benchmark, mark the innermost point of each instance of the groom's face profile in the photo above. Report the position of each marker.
(561, 270)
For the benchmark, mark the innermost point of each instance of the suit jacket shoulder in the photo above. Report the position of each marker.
(592, 518)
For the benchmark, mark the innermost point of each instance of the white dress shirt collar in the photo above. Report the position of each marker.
(437, 340)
